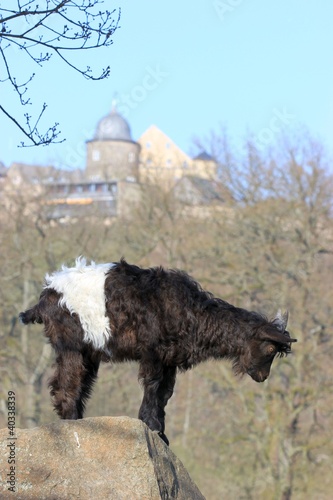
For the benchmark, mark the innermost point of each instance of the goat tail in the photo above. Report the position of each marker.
(31, 316)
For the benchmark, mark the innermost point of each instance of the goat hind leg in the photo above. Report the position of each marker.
(91, 361)
(66, 384)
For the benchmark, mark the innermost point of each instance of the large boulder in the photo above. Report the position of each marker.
(104, 457)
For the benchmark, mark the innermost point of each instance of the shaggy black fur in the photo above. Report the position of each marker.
(165, 321)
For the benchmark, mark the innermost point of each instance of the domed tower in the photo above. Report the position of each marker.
(112, 154)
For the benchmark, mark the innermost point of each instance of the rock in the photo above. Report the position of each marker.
(116, 458)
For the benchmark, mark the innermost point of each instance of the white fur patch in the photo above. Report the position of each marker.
(82, 289)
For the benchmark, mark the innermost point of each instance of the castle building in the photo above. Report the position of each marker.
(116, 169)
(162, 162)
(112, 154)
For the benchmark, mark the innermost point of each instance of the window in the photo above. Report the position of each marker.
(131, 157)
(96, 155)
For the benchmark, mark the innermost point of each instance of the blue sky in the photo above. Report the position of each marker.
(189, 67)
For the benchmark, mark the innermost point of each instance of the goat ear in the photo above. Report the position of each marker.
(276, 331)
(281, 320)
(273, 335)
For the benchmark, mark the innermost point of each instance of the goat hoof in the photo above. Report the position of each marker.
(164, 438)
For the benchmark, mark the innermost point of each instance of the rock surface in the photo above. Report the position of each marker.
(116, 458)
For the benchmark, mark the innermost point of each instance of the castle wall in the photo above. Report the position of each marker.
(112, 160)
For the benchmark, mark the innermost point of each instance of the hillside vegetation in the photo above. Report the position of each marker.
(268, 247)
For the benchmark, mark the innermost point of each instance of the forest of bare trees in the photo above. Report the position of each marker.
(268, 247)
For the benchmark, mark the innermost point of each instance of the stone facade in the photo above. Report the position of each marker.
(163, 162)
(112, 160)
(112, 154)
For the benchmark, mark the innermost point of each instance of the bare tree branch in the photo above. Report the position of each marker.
(57, 29)
(32, 132)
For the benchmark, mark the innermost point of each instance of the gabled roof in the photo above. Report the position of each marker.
(156, 144)
(36, 174)
(204, 156)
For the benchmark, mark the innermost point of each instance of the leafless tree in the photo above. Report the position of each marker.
(39, 31)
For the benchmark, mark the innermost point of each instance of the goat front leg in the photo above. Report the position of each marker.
(158, 384)
(66, 384)
(151, 376)
(165, 390)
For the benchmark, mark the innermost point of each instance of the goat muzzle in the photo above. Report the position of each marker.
(258, 376)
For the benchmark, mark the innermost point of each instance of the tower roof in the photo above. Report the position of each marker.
(113, 127)
(204, 156)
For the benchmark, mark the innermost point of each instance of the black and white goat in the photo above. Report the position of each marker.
(160, 318)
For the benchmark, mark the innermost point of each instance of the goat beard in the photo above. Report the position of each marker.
(238, 369)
